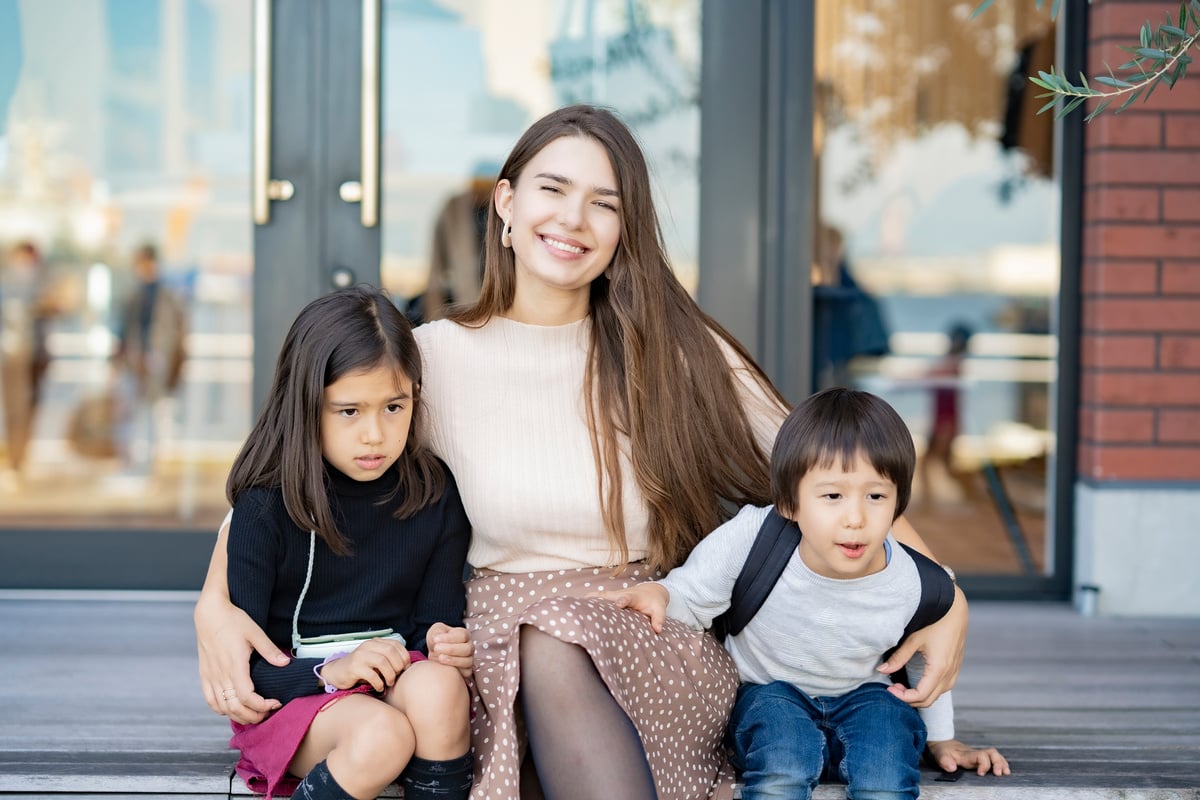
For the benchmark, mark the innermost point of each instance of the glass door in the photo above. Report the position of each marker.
(262, 152)
(126, 255)
(936, 270)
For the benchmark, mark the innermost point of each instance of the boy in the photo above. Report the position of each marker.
(812, 704)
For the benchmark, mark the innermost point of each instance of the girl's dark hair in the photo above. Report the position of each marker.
(656, 371)
(835, 426)
(343, 332)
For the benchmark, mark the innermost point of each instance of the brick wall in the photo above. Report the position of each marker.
(1140, 353)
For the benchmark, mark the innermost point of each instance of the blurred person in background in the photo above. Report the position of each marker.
(945, 387)
(152, 328)
(26, 304)
(456, 252)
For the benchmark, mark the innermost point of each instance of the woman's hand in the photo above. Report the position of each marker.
(952, 754)
(942, 644)
(451, 646)
(225, 637)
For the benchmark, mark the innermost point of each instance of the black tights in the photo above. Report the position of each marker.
(582, 742)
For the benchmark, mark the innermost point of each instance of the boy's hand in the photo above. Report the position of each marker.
(451, 646)
(952, 754)
(650, 599)
(377, 662)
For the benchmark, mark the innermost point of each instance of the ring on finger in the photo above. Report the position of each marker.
(229, 693)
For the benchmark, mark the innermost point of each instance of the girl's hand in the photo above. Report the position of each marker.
(649, 599)
(451, 646)
(952, 754)
(942, 644)
(225, 636)
(377, 662)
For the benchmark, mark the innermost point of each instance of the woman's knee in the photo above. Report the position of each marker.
(533, 641)
(549, 656)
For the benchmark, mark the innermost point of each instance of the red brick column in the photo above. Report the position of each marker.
(1140, 353)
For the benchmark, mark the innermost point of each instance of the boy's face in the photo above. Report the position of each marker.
(844, 513)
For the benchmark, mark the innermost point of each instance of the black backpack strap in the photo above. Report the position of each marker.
(774, 543)
(937, 595)
(937, 592)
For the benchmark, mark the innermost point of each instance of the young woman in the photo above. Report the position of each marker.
(598, 423)
(343, 524)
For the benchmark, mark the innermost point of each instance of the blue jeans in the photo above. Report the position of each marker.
(784, 742)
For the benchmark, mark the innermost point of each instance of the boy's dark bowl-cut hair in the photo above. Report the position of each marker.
(834, 426)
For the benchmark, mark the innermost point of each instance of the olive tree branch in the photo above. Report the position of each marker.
(1161, 56)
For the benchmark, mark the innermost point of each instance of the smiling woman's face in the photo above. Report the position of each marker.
(565, 215)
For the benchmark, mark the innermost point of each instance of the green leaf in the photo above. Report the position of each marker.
(1096, 111)
(1171, 30)
(1116, 83)
(1053, 8)
(1151, 86)
(1152, 52)
(1069, 107)
(1183, 13)
(1049, 105)
(1041, 83)
(1055, 81)
(1145, 35)
(1083, 78)
(1134, 95)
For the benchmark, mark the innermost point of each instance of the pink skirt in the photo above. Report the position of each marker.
(677, 687)
(268, 747)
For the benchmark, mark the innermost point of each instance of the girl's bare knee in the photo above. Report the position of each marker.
(436, 701)
(375, 751)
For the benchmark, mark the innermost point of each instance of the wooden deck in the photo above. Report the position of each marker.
(99, 698)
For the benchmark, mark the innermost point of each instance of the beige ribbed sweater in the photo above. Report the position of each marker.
(503, 408)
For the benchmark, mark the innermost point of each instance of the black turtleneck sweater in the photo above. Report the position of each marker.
(401, 574)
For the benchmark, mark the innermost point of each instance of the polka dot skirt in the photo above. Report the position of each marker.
(678, 686)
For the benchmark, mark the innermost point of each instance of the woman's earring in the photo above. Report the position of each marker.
(506, 236)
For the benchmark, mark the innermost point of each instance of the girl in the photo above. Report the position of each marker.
(344, 523)
(600, 423)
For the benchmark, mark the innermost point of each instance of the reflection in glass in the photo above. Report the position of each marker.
(124, 124)
(936, 266)
(462, 81)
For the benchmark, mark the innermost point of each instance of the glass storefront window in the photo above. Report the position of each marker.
(936, 270)
(123, 123)
(462, 81)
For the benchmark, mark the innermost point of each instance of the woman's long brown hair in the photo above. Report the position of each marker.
(656, 372)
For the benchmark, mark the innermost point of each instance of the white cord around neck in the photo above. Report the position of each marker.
(312, 549)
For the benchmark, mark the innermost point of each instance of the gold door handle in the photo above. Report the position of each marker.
(369, 177)
(264, 188)
(351, 192)
(280, 189)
